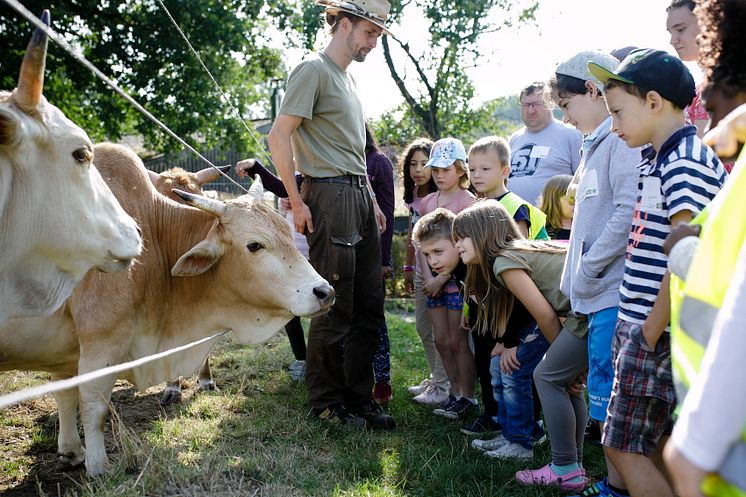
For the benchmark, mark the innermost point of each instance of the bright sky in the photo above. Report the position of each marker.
(526, 53)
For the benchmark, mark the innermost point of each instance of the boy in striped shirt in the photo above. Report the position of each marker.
(679, 175)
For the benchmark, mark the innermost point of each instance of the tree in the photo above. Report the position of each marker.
(501, 117)
(440, 93)
(136, 44)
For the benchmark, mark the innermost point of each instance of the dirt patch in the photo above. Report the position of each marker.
(28, 437)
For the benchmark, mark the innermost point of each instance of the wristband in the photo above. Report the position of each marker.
(408, 269)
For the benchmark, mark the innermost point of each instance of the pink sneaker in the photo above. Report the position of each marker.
(545, 476)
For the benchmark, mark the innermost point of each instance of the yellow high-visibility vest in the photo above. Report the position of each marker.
(696, 302)
(536, 231)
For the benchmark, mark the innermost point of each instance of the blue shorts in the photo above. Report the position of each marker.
(452, 301)
(601, 327)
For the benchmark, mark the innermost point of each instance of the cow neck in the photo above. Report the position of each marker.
(178, 228)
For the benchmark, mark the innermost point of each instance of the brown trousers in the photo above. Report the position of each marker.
(344, 249)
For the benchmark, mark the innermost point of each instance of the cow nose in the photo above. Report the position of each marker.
(325, 293)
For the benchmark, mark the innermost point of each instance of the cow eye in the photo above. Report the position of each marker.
(82, 155)
(254, 247)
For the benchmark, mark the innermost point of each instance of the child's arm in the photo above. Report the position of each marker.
(409, 261)
(520, 284)
(660, 315)
(434, 285)
(523, 228)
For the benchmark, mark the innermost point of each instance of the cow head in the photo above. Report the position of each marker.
(58, 219)
(258, 259)
(180, 179)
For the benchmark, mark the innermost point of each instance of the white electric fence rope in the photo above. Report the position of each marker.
(80, 58)
(226, 98)
(57, 386)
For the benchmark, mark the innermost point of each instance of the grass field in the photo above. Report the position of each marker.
(254, 438)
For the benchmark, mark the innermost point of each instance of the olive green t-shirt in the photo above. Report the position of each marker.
(545, 270)
(331, 139)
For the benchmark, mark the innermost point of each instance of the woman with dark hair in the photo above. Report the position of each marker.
(381, 176)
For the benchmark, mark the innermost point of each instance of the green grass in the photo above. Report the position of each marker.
(254, 437)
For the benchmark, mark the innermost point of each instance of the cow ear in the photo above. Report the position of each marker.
(8, 127)
(199, 259)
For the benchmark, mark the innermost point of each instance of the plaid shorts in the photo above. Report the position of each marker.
(643, 397)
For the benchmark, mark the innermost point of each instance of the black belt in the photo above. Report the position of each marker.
(346, 179)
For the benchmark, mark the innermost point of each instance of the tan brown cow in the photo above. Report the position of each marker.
(165, 182)
(58, 218)
(230, 265)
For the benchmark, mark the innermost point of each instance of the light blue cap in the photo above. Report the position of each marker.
(445, 152)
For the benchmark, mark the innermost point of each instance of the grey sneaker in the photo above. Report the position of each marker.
(511, 450)
(418, 389)
(297, 370)
(433, 395)
(488, 445)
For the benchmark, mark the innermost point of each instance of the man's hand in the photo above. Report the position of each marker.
(380, 218)
(302, 218)
(509, 360)
(677, 233)
(687, 477)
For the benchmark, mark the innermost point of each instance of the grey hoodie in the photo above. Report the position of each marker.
(604, 204)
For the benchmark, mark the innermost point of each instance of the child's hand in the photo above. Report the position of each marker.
(433, 286)
(497, 350)
(577, 387)
(509, 360)
(409, 282)
(464, 324)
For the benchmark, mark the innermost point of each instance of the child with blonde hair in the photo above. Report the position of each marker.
(444, 301)
(558, 207)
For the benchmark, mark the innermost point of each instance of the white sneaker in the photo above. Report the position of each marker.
(491, 444)
(418, 389)
(432, 395)
(511, 450)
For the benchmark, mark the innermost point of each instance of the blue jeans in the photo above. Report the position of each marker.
(515, 402)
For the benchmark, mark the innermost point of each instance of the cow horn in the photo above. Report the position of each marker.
(256, 190)
(31, 79)
(211, 174)
(214, 207)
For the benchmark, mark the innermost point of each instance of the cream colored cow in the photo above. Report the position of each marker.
(58, 218)
(229, 265)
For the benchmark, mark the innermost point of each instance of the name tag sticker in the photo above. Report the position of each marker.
(540, 152)
(651, 197)
(589, 185)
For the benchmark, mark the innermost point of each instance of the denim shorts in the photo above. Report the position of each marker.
(601, 326)
(642, 398)
(452, 301)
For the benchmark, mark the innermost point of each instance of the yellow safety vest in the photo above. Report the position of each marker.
(536, 231)
(696, 302)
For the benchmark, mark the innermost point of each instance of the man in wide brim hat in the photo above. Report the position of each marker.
(375, 11)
